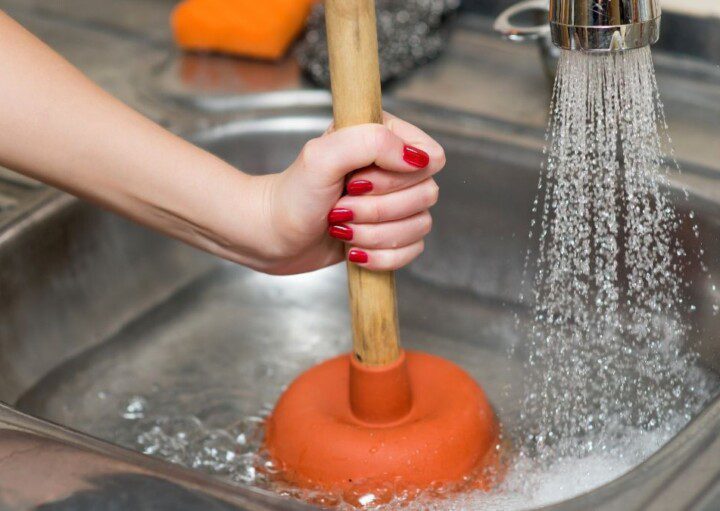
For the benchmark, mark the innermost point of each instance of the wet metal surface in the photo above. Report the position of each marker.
(93, 304)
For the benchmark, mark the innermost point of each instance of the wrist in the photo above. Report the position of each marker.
(253, 229)
(270, 243)
(231, 217)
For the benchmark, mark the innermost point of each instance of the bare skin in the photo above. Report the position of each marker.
(60, 128)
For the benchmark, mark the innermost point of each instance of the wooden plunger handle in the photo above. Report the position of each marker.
(355, 78)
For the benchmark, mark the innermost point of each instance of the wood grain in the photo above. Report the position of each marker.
(355, 79)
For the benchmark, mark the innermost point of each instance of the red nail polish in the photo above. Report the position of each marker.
(359, 187)
(341, 232)
(357, 256)
(415, 157)
(339, 215)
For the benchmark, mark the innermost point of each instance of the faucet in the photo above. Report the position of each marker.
(593, 26)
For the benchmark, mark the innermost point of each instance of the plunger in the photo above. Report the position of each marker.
(379, 415)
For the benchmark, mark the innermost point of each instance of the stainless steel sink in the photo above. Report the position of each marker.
(96, 309)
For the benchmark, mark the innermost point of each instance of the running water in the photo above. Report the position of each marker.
(609, 381)
(607, 331)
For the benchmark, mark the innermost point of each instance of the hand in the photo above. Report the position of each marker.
(384, 216)
(290, 222)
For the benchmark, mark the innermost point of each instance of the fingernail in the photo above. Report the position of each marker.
(357, 256)
(339, 215)
(359, 187)
(341, 232)
(415, 157)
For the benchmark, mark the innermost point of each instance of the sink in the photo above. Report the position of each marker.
(226, 339)
(106, 326)
(98, 312)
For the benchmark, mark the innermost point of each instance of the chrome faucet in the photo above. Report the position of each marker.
(594, 26)
(601, 26)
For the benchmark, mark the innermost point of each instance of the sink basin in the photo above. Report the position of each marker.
(98, 313)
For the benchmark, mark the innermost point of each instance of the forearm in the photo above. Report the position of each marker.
(60, 128)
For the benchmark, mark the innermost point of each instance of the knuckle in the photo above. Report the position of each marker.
(392, 242)
(374, 138)
(433, 193)
(311, 153)
(384, 135)
(438, 154)
(373, 238)
(427, 223)
(397, 181)
(377, 211)
(386, 139)
(394, 181)
(418, 249)
(390, 261)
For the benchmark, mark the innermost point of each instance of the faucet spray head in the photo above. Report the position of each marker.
(602, 26)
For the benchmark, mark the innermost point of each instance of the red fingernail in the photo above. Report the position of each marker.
(357, 256)
(341, 232)
(339, 215)
(359, 187)
(415, 157)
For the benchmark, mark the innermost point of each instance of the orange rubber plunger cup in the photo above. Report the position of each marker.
(379, 416)
(439, 429)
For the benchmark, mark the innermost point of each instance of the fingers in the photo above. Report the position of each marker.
(392, 206)
(385, 232)
(334, 155)
(383, 182)
(386, 235)
(385, 216)
(416, 137)
(386, 259)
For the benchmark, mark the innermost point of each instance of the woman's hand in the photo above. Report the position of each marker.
(97, 148)
(383, 215)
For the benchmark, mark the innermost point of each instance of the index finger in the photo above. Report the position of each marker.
(413, 135)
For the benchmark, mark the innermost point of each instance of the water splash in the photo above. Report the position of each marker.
(607, 332)
(233, 452)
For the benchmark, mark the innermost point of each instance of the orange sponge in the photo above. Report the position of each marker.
(256, 28)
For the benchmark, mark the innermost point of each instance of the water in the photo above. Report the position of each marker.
(609, 378)
(235, 453)
(607, 328)
(232, 451)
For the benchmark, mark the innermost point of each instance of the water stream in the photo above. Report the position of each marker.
(607, 328)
